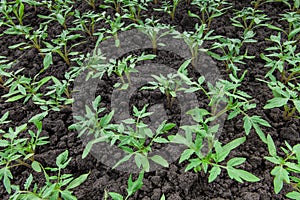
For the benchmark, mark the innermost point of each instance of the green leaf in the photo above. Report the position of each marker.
(293, 33)
(276, 102)
(186, 155)
(236, 161)
(124, 159)
(270, 26)
(115, 196)
(240, 175)
(4, 143)
(78, 181)
(160, 160)
(247, 124)
(297, 105)
(163, 197)
(15, 98)
(271, 146)
(62, 159)
(36, 166)
(213, 173)
(136, 185)
(87, 149)
(293, 195)
(67, 195)
(228, 147)
(281, 175)
(260, 134)
(28, 182)
(47, 60)
(7, 184)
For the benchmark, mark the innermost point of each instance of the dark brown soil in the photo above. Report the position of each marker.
(173, 181)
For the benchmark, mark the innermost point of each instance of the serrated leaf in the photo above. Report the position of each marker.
(271, 146)
(15, 98)
(293, 195)
(160, 160)
(115, 196)
(47, 60)
(276, 102)
(28, 182)
(213, 173)
(78, 181)
(293, 33)
(186, 155)
(236, 161)
(247, 124)
(297, 105)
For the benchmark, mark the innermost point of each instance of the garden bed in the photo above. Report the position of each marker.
(52, 114)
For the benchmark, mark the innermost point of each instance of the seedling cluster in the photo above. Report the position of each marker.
(203, 153)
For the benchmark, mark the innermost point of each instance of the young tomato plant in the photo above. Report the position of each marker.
(113, 4)
(126, 66)
(133, 9)
(231, 51)
(169, 85)
(16, 150)
(60, 12)
(283, 58)
(130, 136)
(152, 29)
(115, 25)
(194, 40)
(249, 18)
(169, 8)
(287, 169)
(235, 101)
(16, 8)
(132, 187)
(22, 87)
(284, 96)
(208, 158)
(86, 21)
(60, 46)
(209, 9)
(58, 186)
(35, 38)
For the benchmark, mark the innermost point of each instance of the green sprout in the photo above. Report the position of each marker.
(283, 58)
(86, 22)
(286, 168)
(209, 9)
(169, 8)
(60, 12)
(60, 46)
(249, 18)
(132, 187)
(113, 4)
(284, 96)
(169, 85)
(237, 101)
(115, 25)
(231, 51)
(56, 186)
(133, 8)
(16, 7)
(126, 66)
(16, 151)
(194, 40)
(22, 87)
(208, 160)
(35, 37)
(152, 29)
